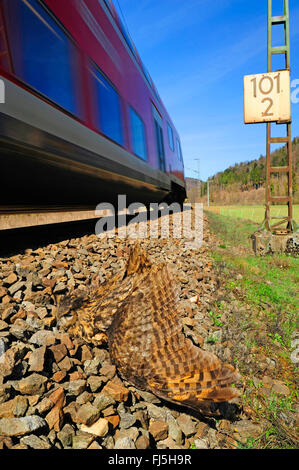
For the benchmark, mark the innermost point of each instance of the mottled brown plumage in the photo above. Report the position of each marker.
(138, 309)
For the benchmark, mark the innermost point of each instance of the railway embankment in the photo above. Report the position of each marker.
(58, 392)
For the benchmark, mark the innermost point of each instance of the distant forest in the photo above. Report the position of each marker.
(244, 183)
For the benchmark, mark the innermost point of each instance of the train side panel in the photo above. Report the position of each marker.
(68, 69)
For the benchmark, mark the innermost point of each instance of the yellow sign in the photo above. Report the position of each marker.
(267, 97)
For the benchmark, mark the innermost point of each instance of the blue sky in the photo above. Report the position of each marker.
(197, 52)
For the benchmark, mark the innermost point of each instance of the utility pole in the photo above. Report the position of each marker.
(267, 98)
(198, 173)
(287, 169)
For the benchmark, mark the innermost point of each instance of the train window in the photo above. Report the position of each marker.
(170, 137)
(42, 54)
(109, 119)
(116, 12)
(179, 150)
(109, 5)
(138, 135)
(147, 75)
(159, 138)
(127, 38)
(156, 94)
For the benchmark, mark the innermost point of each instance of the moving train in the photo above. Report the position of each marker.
(81, 120)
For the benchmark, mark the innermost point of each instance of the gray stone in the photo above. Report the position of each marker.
(148, 397)
(256, 382)
(37, 359)
(76, 387)
(51, 437)
(289, 418)
(121, 408)
(124, 443)
(21, 406)
(10, 279)
(174, 430)
(16, 407)
(132, 433)
(88, 414)
(126, 420)
(28, 306)
(82, 440)
(20, 329)
(280, 388)
(212, 439)
(34, 322)
(60, 288)
(91, 366)
(15, 287)
(201, 444)
(3, 325)
(44, 406)
(95, 445)
(102, 401)
(108, 370)
(7, 312)
(5, 392)
(43, 338)
(247, 428)
(66, 364)
(108, 442)
(35, 442)
(168, 443)
(21, 426)
(95, 382)
(156, 412)
(66, 435)
(85, 397)
(34, 384)
(186, 424)
(142, 417)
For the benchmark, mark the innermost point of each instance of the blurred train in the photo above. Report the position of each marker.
(82, 119)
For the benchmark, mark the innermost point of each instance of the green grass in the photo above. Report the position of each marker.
(269, 282)
(215, 318)
(212, 339)
(231, 230)
(262, 301)
(254, 213)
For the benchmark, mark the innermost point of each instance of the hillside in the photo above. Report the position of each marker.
(244, 183)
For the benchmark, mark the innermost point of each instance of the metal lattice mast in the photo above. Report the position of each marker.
(285, 49)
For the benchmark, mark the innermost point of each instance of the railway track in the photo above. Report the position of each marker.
(22, 217)
(30, 227)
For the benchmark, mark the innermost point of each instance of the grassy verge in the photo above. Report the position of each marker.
(261, 304)
(254, 213)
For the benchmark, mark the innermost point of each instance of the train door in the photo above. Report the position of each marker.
(159, 139)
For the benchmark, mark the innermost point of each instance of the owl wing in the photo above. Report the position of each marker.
(92, 311)
(147, 345)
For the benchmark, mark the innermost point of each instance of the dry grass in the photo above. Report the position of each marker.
(254, 213)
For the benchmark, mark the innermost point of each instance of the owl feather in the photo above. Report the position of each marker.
(138, 311)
